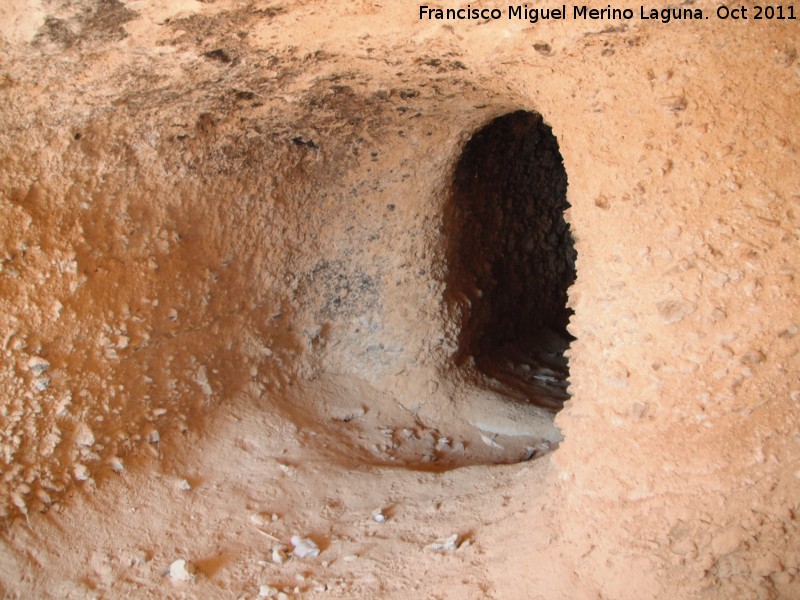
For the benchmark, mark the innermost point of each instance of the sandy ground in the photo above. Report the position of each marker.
(175, 502)
(224, 296)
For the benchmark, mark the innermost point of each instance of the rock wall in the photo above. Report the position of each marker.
(203, 198)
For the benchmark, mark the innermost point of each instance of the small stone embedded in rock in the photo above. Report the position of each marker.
(313, 332)
(19, 502)
(288, 470)
(378, 515)
(304, 547)
(201, 379)
(84, 435)
(40, 384)
(674, 311)
(38, 365)
(445, 544)
(267, 591)
(262, 519)
(279, 555)
(490, 442)
(81, 472)
(180, 570)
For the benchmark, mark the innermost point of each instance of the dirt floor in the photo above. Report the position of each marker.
(285, 289)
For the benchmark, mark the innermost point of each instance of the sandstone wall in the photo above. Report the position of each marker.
(203, 198)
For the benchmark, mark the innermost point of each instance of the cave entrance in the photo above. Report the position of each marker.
(511, 257)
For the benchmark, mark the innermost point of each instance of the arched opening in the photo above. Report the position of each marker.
(511, 257)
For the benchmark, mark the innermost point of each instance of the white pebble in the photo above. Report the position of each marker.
(378, 515)
(445, 544)
(304, 547)
(180, 570)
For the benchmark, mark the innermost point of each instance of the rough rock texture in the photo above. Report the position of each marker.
(224, 271)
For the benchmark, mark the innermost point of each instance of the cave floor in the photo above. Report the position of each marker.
(208, 496)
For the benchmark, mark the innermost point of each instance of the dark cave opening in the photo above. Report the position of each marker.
(511, 257)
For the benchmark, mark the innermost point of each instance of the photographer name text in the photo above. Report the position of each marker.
(536, 14)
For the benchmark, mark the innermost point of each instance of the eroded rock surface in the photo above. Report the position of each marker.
(232, 281)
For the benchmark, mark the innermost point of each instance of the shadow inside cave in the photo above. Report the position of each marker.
(511, 258)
